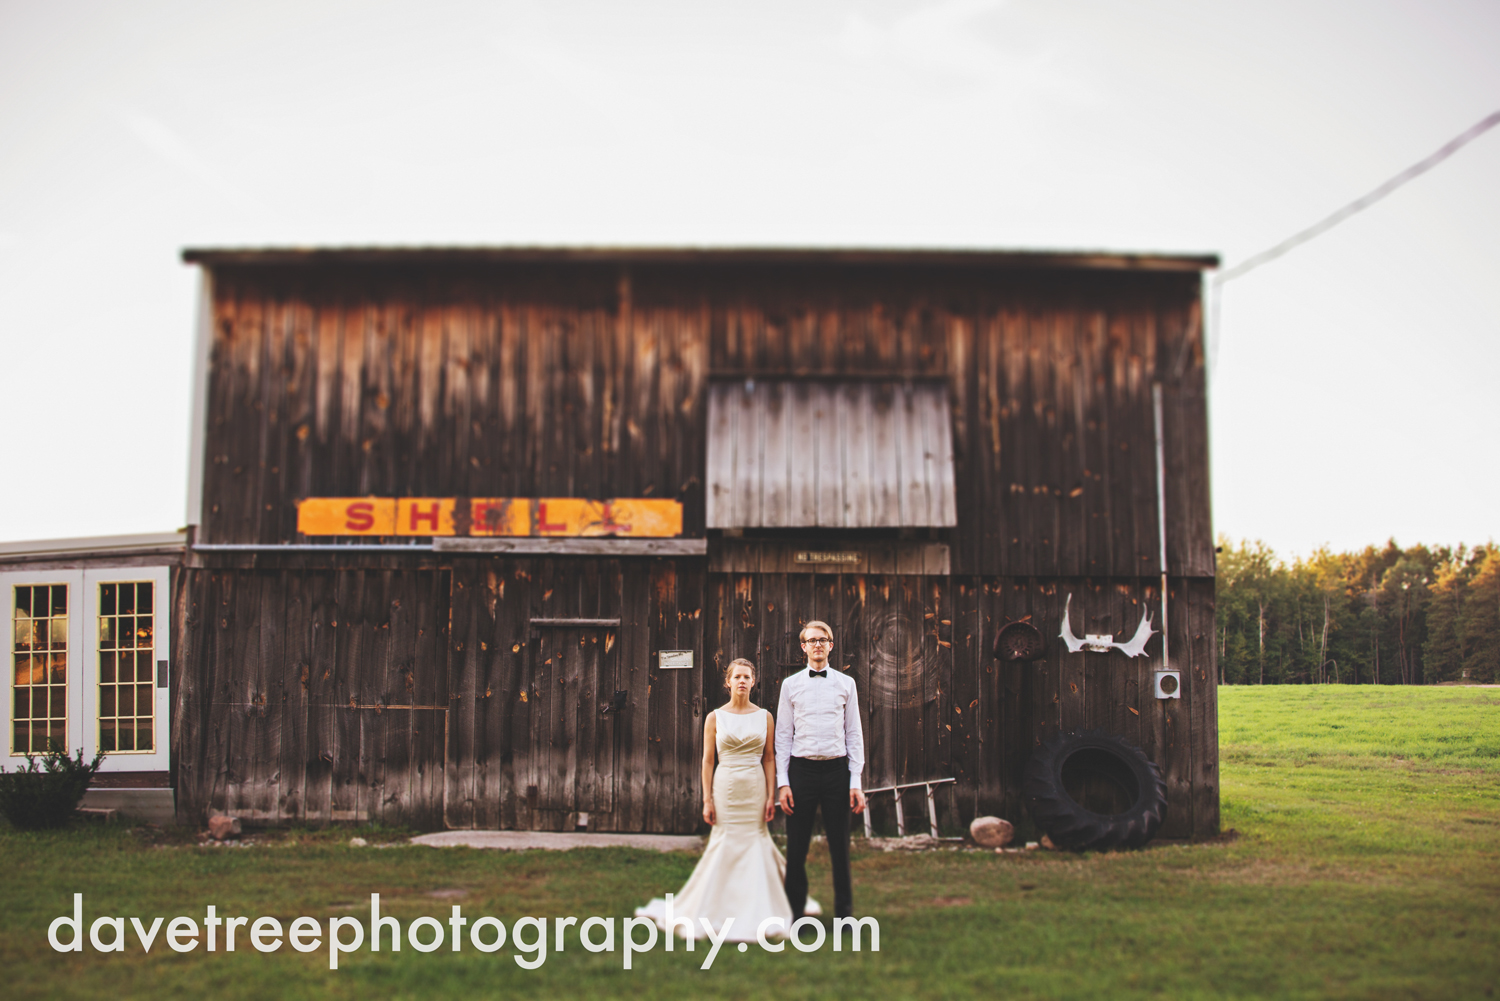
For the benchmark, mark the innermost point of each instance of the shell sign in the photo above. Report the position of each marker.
(629, 517)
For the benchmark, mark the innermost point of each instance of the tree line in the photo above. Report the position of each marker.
(1414, 616)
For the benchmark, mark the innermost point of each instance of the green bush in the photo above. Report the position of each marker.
(35, 798)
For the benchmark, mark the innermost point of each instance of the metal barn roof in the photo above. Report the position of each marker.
(805, 256)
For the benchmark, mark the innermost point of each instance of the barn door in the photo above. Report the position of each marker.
(573, 745)
(377, 697)
(892, 634)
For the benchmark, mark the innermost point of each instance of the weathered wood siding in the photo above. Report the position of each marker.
(935, 703)
(428, 697)
(311, 696)
(1049, 377)
(523, 733)
(517, 383)
(416, 688)
(343, 695)
(587, 381)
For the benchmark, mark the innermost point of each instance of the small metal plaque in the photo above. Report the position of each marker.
(814, 556)
(675, 660)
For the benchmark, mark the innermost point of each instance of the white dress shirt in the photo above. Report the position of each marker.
(819, 718)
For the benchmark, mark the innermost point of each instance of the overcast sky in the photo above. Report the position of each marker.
(1354, 394)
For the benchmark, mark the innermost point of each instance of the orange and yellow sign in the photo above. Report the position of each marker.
(347, 516)
(500, 516)
(631, 517)
(641, 517)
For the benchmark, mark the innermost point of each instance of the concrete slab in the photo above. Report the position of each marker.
(143, 806)
(558, 841)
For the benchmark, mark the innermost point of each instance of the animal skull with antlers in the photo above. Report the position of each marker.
(1104, 642)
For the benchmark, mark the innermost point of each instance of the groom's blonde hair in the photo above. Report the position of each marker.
(815, 624)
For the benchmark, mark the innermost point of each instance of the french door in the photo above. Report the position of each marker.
(87, 665)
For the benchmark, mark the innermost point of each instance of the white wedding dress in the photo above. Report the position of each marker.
(741, 872)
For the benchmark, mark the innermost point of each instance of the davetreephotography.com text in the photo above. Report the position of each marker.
(527, 937)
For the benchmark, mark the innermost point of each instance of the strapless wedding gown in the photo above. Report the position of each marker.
(741, 872)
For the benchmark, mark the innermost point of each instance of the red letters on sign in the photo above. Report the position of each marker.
(489, 516)
(430, 516)
(541, 521)
(359, 516)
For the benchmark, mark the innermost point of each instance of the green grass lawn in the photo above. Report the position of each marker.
(1365, 865)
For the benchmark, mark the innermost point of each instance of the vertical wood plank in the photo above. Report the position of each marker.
(191, 687)
(703, 690)
(1015, 696)
(938, 704)
(856, 415)
(591, 791)
(322, 699)
(430, 725)
(802, 468)
(885, 456)
(1200, 693)
(351, 649)
(635, 674)
(668, 690)
(935, 417)
(1175, 753)
(828, 458)
(244, 697)
(885, 655)
(469, 655)
(776, 451)
(747, 456)
(390, 616)
(512, 726)
(298, 592)
(917, 506)
(720, 498)
(220, 609)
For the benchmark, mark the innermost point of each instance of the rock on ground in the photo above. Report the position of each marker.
(991, 832)
(221, 827)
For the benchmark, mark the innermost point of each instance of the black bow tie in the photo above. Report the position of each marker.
(817, 674)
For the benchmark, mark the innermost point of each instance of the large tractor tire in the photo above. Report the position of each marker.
(1092, 791)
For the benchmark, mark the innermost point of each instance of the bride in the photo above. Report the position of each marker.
(741, 872)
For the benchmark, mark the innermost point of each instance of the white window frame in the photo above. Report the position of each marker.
(83, 660)
(8, 583)
(161, 580)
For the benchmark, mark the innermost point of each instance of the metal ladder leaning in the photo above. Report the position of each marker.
(900, 817)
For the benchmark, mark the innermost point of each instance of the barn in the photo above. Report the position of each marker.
(473, 532)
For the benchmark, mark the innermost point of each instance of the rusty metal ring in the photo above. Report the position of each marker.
(1019, 641)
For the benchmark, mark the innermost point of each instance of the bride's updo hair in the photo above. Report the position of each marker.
(728, 671)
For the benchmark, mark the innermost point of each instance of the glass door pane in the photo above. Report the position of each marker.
(39, 677)
(127, 667)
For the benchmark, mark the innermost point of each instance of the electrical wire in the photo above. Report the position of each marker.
(1360, 204)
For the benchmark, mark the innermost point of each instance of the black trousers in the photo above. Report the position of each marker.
(814, 784)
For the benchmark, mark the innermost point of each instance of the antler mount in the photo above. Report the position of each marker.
(1104, 642)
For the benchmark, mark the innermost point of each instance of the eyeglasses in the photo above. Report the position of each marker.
(817, 641)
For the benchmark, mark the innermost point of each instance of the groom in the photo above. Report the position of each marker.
(820, 756)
